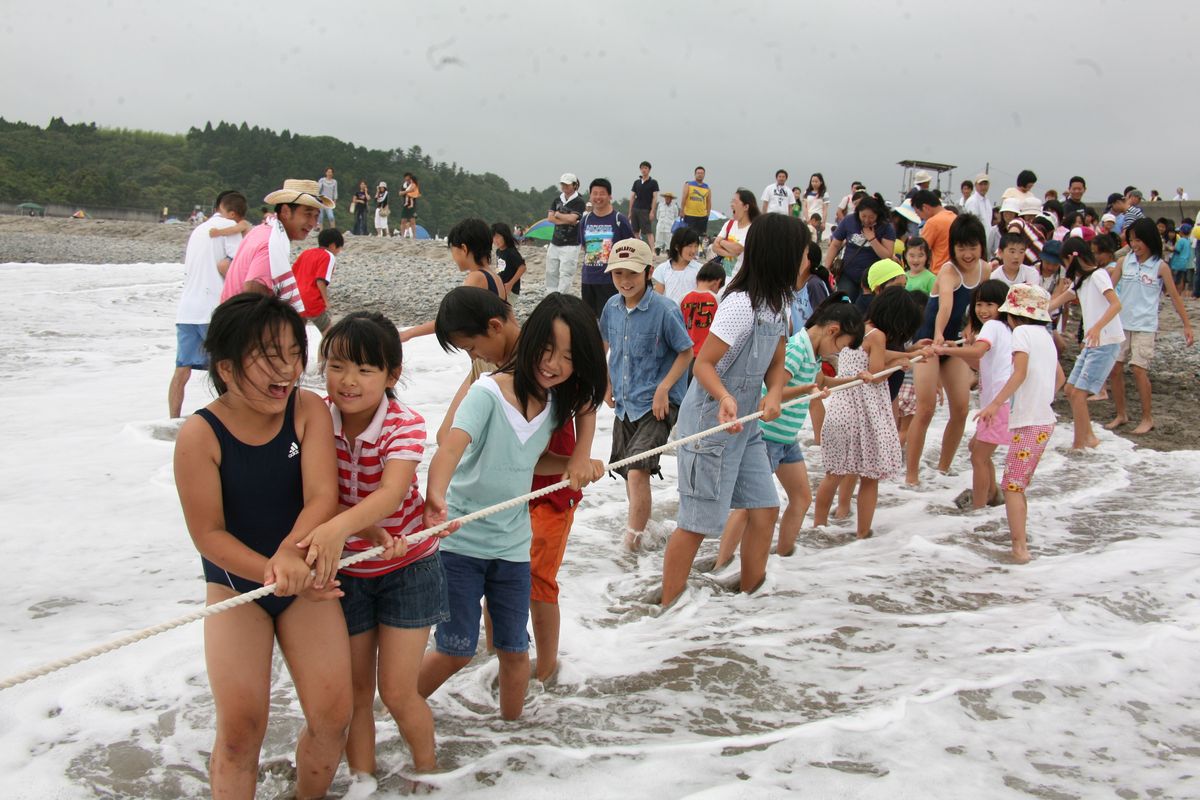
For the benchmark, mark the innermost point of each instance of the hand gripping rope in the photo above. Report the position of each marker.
(264, 591)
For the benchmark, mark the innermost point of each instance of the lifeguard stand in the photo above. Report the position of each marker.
(911, 168)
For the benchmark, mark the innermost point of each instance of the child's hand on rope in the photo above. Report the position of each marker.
(769, 405)
(322, 548)
(288, 572)
(727, 411)
(331, 591)
(435, 514)
(393, 546)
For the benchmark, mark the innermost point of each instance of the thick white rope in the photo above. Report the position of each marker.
(264, 591)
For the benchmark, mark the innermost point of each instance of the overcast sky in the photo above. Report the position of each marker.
(530, 90)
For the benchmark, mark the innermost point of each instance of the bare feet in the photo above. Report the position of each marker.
(867, 535)
(1145, 427)
(633, 540)
(1116, 423)
(1098, 397)
(840, 515)
(1087, 444)
(1021, 556)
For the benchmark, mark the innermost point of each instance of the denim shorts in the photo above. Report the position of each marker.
(413, 596)
(722, 473)
(505, 584)
(1093, 366)
(778, 453)
(189, 346)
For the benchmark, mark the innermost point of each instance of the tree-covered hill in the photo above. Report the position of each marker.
(83, 165)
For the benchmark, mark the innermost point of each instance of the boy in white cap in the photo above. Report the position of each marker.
(562, 256)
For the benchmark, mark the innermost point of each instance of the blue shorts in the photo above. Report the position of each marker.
(413, 596)
(1093, 366)
(189, 346)
(505, 584)
(720, 473)
(777, 453)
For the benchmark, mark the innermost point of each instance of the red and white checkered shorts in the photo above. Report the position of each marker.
(1024, 452)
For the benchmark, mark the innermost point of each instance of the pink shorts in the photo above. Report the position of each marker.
(1025, 449)
(995, 431)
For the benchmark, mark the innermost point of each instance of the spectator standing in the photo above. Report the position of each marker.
(843, 206)
(327, 188)
(867, 237)
(562, 256)
(979, 206)
(408, 211)
(967, 188)
(697, 202)
(362, 198)
(667, 214)
(731, 242)
(510, 264)
(1074, 202)
(936, 226)
(777, 197)
(1024, 188)
(1133, 208)
(601, 228)
(382, 209)
(816, 197)
(921, 181)
(1180, 195)
(643, 197)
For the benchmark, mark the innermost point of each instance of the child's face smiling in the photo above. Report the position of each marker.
(555, 367)
(268, 376)
(355, 388)
(630, 284)
(915, 257)
(987, 311)
(967, 254)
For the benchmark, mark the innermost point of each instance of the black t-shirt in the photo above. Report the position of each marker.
(643, 193)
(1070, 205)
(567, 235)
(507, 262)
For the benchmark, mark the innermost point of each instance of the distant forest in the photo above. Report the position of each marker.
(85, 165)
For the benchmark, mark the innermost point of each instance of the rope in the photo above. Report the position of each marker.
(264, 591)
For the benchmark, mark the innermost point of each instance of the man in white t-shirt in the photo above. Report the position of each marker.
(777, 198)
(207, 258)
(845, 206)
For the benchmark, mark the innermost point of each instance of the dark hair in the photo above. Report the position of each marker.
(1088, 211)
(502, 230)
(967, 230)
(837, 308)
(234, 202)
(1077, 179)
(750, 201)
(603, 183)
(330, 237)
(1055, 206)
(584, 390)
(815, 265)
(465, 311)
(1084, 262)
(917, 241)
(694, 171)
(1044, 224)
(680, 239)
(248, 324)
(280, 206)
(924, 197)
(895, 312)
(1026, 178)
(1145, 230)
(1106, 243)
(1169, 224)
(989, 291)
(869, 203)
(365, 337)
(821, 178)
(774, 248)
(784, 171)
(712, 270)
(1010, 238)
(968, 184)
(645, 164)
(475, 235)
(1071, 219)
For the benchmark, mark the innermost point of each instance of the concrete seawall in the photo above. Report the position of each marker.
(95, 212)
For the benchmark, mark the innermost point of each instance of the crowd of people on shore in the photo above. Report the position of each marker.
(277, 483)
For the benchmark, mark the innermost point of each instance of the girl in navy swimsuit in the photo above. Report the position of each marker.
(256, 471)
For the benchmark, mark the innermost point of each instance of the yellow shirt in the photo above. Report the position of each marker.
(696, 202)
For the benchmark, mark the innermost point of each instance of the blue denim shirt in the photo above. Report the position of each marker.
(642, 345)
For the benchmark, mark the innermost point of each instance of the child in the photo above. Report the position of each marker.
(943, 322)
(676, 277)
(700, 306)
(389, 601)
(1141, 279)
(484, 326)
(812, 289)
(314, 272)
(833, 326)
(916, 258)
(649, 351)
(510, 264)
(859, 436)
(731, 469)
(1036, 377)
(470, 243)
(256, 472)
(906, 399)
(1013, 268)
(499, 437)
(1093, 288)
(1181, 255)
(992, 351)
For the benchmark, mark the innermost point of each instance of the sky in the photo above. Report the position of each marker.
(531, 90)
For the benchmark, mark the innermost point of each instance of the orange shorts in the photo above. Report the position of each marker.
(550, 529)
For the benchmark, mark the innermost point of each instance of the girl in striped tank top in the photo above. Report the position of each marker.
(392, 600)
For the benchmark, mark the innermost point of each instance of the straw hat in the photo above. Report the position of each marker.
(922, 177)
(1029, 301)
(304, 193)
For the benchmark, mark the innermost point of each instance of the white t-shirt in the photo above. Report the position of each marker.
(1032, 403)
(778, 198)
(202, 283)
(1025, 274)
(815, 205)
(736, 233)
(734, 322)
(1094, 304)
(995, 368)
(677, 282)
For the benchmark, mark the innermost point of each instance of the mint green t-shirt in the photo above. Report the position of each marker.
(496, 466)
(801, 363)
(921, 283)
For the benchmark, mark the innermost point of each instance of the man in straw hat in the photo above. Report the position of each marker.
(262, 264)
(667, 214)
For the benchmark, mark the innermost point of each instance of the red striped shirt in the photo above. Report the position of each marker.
(396, 432)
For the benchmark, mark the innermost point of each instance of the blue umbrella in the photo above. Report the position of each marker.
(421, 233)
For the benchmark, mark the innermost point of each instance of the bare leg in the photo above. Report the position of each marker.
(436, 669)
(956, 377)
(400, 654)
(1141, 379)
(360, 744)
(731, 537)
(794, 478)
(983, 472)
(845, 496)
(756, 546)
(868, 496)
(514, 681)
(547, 622)
(825, 492)
(816, 413)
(677, 563)
(175, 391)
(637, 489)
(925, 383)
(1014, 505)
(1116, 384)
(1084, 436)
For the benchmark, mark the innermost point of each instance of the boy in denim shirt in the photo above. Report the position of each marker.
(649, 351)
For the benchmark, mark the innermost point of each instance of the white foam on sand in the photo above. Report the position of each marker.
(919, 663)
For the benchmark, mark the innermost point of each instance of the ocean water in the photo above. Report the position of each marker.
(918, 664)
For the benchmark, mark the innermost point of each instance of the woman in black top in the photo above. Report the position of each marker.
(361, 198)
(509, 261)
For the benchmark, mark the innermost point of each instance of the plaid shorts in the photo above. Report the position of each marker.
(1024, 452)
(906, 401)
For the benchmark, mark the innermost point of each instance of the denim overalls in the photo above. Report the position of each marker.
(727, 470)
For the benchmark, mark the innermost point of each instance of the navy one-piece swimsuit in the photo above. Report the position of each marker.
(262, 493)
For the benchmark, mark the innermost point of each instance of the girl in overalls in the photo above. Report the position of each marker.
(730, 469)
